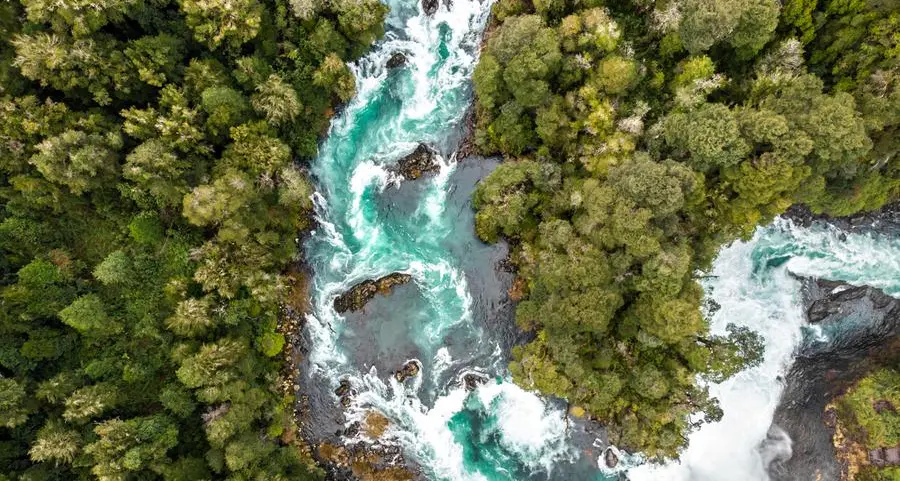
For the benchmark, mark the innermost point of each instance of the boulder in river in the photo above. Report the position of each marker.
(343, 388)
(410, 369)
(610, 458)
(430, 6)
(398, 59)
(473, 380)
(419, 162)
(357, 297)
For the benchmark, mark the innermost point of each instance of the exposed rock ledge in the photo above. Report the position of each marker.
(398, 59)
(864, 325)
(410, 369)
(885, 220)
(421, 161)
(830, 300)
(357, 297)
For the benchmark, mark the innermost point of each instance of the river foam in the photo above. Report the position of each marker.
(449, 322)
(756, 285)
(453, 434)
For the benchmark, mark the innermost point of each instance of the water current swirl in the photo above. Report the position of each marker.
(455, 318)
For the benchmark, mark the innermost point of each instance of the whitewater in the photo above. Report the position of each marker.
(454, 318)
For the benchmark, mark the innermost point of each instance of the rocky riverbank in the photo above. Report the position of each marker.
(856, 330)
(885, 220)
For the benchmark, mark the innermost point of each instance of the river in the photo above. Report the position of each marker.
(455, 317)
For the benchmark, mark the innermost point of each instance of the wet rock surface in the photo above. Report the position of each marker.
(409, 370)
(885, 220)
(421, 161)
(363, 461)
(397, 60)
(345, 393)
(861, 329)
(610, 458)
(472, 380)
(829, 300)
(357, 297)
(430, 6)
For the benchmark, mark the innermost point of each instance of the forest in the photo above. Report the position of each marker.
(153, 190)
(152, 194)
(640, 137)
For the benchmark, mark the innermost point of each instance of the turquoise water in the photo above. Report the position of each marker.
(372, 224)
(454, 318)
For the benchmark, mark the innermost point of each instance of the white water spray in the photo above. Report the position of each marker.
(754, 283)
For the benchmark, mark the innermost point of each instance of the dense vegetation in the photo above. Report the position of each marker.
(152, 198)
(642, 136)
(868, 412)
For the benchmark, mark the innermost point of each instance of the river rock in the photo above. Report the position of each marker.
(398, 59)
(610, 458)
(357, 297)
(419, 162)
(430, 6)
(410, 369)
(352, 430)
(835, 300)
(343, 388)
(863, 328)
(472, 381)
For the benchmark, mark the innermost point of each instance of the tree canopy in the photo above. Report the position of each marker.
(152, 185)
(639, 138)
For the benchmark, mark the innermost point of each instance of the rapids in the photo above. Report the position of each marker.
(456, 317)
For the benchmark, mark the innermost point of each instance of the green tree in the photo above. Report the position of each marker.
(210, 365)
(157, 173)
(158, 58)
(223, 22)
(88, 315)
(709, 135)
(83, 17)
(225, 108)
(116, 269)
(97, 65)
(276, 100)
(13, 403)
(334, 75)
(78, 160)
(56, 443)
(191, 318)
(131, 445)
(88, 402)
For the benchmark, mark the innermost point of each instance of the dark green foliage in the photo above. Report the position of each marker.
(151, 195)
(867, 414)
(641, 143)
(868, 408)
